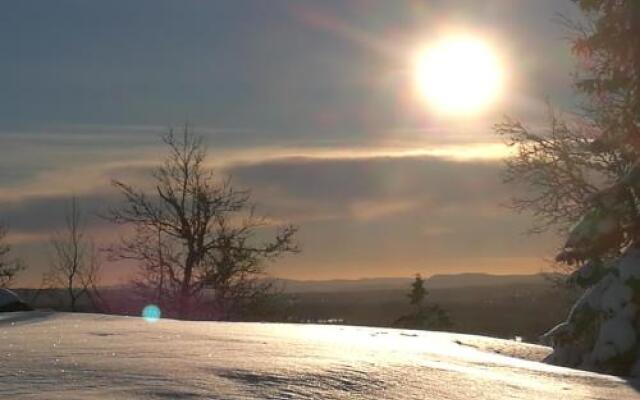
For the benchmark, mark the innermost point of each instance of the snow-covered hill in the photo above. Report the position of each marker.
(87, 356)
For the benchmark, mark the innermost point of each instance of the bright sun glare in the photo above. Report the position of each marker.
(459, 75)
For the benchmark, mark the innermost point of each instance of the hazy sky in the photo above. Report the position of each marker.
(309, 103)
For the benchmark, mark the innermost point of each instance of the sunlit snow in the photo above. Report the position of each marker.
(86, 356)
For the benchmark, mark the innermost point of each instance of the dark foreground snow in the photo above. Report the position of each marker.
(87, 356)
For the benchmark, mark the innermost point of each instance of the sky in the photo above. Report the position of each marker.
(311, 104)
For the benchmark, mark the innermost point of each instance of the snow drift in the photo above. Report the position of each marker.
(600, 333)
(87, 356)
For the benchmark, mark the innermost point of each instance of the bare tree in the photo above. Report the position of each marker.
(566, 171)
(196, 238)
(75, 264)
(9, 267)
(558, 170)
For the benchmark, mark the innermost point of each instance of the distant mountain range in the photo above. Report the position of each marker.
(439, 281)
(434, 282)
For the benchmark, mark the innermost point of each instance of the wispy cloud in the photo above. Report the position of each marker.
(61, 163)
(370, 210)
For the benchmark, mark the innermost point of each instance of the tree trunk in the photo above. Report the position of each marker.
(183, 306)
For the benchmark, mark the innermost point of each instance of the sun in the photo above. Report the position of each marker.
(458, 75)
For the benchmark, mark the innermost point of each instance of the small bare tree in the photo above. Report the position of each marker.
(75, 264)
(196, 238)
(9, 267)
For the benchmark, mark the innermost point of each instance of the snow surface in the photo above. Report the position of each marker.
(87, 356)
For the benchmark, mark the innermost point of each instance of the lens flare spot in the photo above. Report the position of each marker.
(151, 313)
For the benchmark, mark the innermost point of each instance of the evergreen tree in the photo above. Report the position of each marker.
(418, 292)
(424, 315)
(594, 178)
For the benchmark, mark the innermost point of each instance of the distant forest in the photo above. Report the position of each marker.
(510, 307)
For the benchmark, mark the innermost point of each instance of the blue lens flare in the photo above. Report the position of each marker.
(151, 313)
